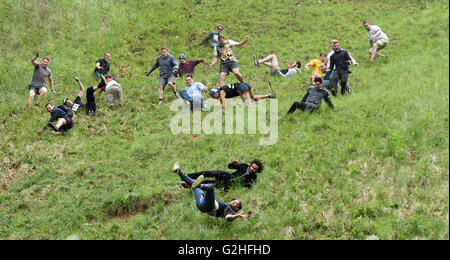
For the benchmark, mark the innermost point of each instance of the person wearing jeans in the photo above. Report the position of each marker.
(339, 64)
(206, 201)
(193, 92)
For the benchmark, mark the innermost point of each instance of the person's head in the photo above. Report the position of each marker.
(49, 107)
(366, 25)
(109, 77)
(336, 46)
(189, 79)
(333, 42)
(236, 204)
(45, 61)
(164, 51)
(256, 166)
(318, 81)
(220, 28)
(68, 102)
(182, 58)
(322, 57)
(106, 56)
(214, 93)
(221, 39)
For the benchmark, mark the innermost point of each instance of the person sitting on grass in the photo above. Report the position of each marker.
(237, 89)
(206, 201)
(245, 173)
(312, 100)
(271, 61)
(76, 103)
(63, 117)
(192, 95)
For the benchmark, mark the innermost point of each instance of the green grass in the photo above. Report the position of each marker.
(376, 165)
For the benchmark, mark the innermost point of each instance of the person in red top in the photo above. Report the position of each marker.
(187, 66)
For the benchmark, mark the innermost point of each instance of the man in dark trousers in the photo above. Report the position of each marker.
(245, 173)
(63, 117)
(312, 100)
(340, 61)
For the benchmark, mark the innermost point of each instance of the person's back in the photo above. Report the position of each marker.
(113, 93)
(231, 90)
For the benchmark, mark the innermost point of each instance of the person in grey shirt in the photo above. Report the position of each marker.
(312, 100)
(168, 65)
(40, 74)
(377, 39)
(213, 37)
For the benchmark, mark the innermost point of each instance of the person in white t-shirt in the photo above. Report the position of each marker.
(271, 61)
(377, 39)
(113, 91)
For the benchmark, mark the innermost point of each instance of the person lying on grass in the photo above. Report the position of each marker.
(245, 173)
(312, 100)
(206, 201)
(271, 61)
(237, 89)
(63, 117)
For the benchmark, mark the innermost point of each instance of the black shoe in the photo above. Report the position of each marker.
(333, 92)
(53, 127)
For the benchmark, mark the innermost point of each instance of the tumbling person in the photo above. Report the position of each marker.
(213, 37)
(61, 115)
(228, 61)
(113, 91)
(271, 61)
(247, 173)
(244, 90)
(312, 100)
(377, 39)
(40, 74)
(206, 201)
(76, 103)
(168, 66)
(193, 93)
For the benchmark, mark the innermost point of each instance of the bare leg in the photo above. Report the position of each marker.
(61, 122)
(246, 98)
(160, 92)
(31, 98)
(238, 74)
(273, 61)
(223, 75)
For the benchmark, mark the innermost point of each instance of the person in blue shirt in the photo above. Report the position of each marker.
(193, 93)
(206, 201)
(62, 115)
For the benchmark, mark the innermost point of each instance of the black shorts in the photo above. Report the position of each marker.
(228, 66)
(244, 87)
(36, 89)
(67, 126)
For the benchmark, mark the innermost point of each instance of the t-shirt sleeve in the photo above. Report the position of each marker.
(229, 215)
(215, 51)
(232, 43)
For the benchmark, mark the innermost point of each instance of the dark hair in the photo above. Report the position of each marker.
(48, 104)
(240, 203)
(365, 21)
(259, 163)
(318, 79)
(221, 36)
(322, 54)
(164, 48)
(190, 76)
(299, 64)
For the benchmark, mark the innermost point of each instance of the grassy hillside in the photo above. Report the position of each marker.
(376, 165)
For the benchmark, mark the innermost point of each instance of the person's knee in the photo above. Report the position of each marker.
(32, 94)
(43, 91)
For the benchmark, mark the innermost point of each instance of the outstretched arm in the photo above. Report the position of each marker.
(153, 68)
(33, 60)
(243, 42)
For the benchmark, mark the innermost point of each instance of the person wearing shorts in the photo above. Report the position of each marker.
(61, 115)
(271, 61)
(229, 63)
(377, 39)
(168, 66)
(40, 74)
(244, 90)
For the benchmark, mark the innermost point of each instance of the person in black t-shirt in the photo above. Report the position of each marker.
(102, 66)
(76, 103)
(245, 173)
(237, 89)
(339, 62)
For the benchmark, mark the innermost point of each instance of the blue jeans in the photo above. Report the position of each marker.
(196, 100)
(97, 74)
(205, 200)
